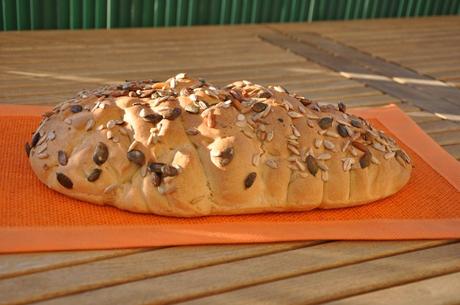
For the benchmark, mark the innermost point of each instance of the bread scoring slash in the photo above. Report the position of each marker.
(186, 148)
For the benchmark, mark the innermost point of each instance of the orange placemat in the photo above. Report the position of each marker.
(35, 218)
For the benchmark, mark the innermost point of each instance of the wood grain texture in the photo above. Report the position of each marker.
(435, 291)
(128, 268)
(346, 281)
(233, 275)
(17, 264)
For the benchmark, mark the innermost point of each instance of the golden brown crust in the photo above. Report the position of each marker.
(185, 148)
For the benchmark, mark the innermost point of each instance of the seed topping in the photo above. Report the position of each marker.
(312, 165)
(136, 156)
(249, 181)
(325, 123)
(94, 175)
(101, 153)
(64, 180)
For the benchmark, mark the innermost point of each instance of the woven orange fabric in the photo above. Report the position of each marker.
(33, 217)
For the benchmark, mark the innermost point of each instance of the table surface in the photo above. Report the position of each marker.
(413, 63)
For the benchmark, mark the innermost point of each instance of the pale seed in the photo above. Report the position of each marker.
(112, 123)
(89, 124)
(294, 115)
(324, 156)
(293, 150)
(318, 143)
(42, 155)
(295, 131)
(300, 165)
(328, 144)
(241, 117)
(332, 134)
(272, 163)
(51, 135)
(389, 155)
(270, 136)
(325, 176)
(256, 159)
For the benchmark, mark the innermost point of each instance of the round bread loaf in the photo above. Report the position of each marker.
(186, 148)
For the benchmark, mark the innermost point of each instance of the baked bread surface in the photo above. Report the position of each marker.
(186, 148)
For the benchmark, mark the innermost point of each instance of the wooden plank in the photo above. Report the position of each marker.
(422, 116)
(447, 138)
(454, 150)
(346, 281)
(379, 66)
(439, 126)
(18, 264)
(233, 275)
(342, 93)
(436, 291)
(361, 101)
(337, 63)
(137, 266)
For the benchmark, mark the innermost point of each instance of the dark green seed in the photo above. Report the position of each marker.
(365, 160)
(312, 165)
(153, 118)
(35, 139)
(360, 146)
(325, 123)
(342, 130)
(156, 179)
(259, 107)
(342, 107)
(94, 175)
(172, 114)
(76, 108)
(265, 94)
(101, 153)
(27, 148)
(169, 171)
(249, 181)
(62, 158)
(136, 156)
(155, 167)
(226, 156)
(356, 123)
(64, 180)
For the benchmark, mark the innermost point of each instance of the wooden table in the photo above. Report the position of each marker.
(413, 63)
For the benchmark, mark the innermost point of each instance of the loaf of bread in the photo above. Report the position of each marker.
(186, 148)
